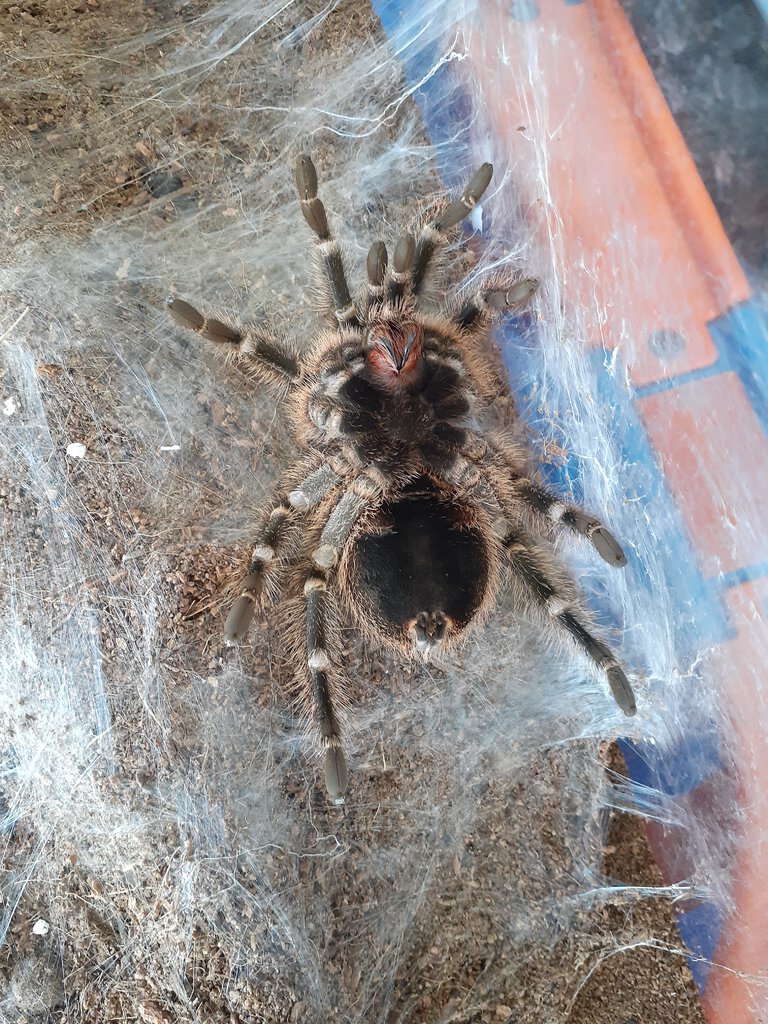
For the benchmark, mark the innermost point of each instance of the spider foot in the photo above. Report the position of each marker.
(207, 327)
(240, 617)
(461, 207)
(311, 207)
(607, 546)
(515, 295)
(335, 773)
(621, 689)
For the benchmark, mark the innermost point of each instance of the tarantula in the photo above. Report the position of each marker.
(412, 516)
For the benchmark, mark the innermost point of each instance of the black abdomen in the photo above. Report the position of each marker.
(429, 560)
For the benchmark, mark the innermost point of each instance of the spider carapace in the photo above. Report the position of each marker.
(402, 513)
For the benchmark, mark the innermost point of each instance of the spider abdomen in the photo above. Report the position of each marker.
(424, 568)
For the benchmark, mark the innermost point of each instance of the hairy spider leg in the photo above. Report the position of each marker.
(402, 264)
(546, 582)
(474, 316)
(573, 518)
(252, 586)
(541, 502)
(309, 493)
(318, 664)
(376, 270)
(260, 354)
(313, 488)
(330, 252)
(362, 493)
(531, 565)
(434, 235)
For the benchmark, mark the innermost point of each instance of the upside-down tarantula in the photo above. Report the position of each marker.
(412, 516)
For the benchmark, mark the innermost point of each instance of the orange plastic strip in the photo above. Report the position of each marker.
(640, 250)
(738, 994)
(665, 146)
(709, 461)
